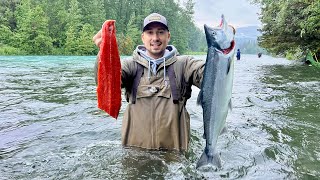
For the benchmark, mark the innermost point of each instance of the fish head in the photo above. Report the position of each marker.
(220, 37)
(213, 36)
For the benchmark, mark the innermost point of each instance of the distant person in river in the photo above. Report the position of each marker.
(157, 83)
(259, 55)
(238, 54)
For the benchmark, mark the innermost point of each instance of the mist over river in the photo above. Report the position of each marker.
(51, 128)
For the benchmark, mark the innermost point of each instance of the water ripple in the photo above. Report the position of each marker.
(51, 128)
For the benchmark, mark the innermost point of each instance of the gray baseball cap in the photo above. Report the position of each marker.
(155, 17)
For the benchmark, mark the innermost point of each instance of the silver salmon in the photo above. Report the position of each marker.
(216, 88)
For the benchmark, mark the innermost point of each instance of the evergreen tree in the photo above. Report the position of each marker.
(92, 12)
(57, 12)
(72, 28)
(290, 27)
(85, 47)
(67, 26)
(32, 32)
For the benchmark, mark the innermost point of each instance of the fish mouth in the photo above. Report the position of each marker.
(229, 49)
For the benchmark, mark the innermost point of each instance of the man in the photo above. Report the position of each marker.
(238, 54)
(156, 116)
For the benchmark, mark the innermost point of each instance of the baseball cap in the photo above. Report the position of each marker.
(155, 17)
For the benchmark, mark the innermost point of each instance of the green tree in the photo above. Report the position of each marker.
(7, 13)
(32, 29)
(131, 38)
(57, 13)
(85, 45)
(73, 27)
(290, 27)
(6, 34)
(92, 12)
(67, 26)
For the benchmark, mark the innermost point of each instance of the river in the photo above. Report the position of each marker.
(51, 128)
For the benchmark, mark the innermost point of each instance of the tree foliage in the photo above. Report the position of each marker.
(67, 26)
(290, 27)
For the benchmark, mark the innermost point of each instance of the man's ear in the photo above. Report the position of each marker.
(142, 36)
(169, 35)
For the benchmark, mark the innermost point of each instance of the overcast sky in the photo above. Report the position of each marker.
(238, 13)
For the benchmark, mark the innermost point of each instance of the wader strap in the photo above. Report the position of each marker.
(136, 81)
(172, 79)
(186, 88)
(173, 85)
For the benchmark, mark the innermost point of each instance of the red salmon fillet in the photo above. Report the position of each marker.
(109, 71)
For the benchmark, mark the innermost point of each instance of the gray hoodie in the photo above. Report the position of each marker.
(153, 63)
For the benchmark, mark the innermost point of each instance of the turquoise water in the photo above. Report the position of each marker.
(51, 128)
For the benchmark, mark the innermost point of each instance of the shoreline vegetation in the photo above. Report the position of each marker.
(290, 28)
(30, 27)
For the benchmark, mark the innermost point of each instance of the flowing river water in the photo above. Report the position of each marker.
(51, 128)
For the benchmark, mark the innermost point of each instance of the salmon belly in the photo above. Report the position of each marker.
(109, 71)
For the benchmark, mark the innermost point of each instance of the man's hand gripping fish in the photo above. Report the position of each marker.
(109, 71)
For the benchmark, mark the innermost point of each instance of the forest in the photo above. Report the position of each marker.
(66, 27)
(290, 28)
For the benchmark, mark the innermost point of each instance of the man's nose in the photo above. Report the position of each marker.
(155, 36)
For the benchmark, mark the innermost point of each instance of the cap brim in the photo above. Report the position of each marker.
(146, 26)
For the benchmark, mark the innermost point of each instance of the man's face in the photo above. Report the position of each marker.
(155, 38)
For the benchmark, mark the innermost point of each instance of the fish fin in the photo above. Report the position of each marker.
(229, 65)
(206, 160)
(230, 105)
(224, 130)
(223, 22)
(199, 99)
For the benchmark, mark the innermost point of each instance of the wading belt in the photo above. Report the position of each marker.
(172, 80)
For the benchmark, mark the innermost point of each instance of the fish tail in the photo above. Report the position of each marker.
(206, 160)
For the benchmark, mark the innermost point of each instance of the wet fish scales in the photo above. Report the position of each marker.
(216, 89)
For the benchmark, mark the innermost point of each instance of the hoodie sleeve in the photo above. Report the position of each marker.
(193, 70)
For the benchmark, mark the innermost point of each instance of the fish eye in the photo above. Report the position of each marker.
(214, 33)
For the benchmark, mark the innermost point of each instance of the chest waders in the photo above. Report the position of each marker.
(176, 95)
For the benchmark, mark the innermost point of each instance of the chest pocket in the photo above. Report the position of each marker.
(156, 89)
(153, 87)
